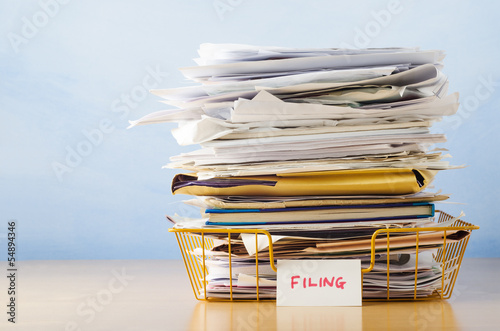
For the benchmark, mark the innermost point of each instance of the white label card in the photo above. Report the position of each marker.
(319, 283)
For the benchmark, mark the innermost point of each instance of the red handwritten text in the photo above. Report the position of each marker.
(322, 282)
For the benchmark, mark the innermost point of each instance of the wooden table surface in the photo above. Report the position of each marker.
(156, 295)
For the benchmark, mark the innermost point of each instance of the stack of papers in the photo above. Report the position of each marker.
(321, 147)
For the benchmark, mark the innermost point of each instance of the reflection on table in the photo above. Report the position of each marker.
(217, 316)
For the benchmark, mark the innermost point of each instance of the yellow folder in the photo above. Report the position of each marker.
(383, 181)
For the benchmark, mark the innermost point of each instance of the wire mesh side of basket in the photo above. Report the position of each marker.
(191, 239)
(449, 256)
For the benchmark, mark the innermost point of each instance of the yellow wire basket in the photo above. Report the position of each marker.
(449, 256)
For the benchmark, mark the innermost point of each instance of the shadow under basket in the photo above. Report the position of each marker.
(448, 257)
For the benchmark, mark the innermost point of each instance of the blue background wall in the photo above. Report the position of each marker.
(66, 66)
